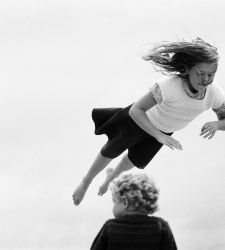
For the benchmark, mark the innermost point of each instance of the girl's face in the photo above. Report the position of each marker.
(119, 207)
(201, 75)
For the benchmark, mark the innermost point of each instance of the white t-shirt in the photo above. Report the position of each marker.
(175, 109)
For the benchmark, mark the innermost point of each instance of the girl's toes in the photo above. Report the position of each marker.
(103, 189)
(79, 193)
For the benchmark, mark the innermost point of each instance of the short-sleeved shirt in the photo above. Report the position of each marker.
(175, 108)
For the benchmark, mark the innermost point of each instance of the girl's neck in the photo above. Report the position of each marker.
(192, 89)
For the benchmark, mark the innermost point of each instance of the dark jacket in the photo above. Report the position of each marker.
(135, 232)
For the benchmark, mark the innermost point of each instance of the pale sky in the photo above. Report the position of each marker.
(58, 60)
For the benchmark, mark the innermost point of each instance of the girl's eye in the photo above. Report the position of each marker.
(199, 73)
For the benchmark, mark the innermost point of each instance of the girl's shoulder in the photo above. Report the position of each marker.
(216, 90)
(169, 85)
(169, 81)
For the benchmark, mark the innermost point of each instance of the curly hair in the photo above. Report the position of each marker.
(139, 191)
(172, 57)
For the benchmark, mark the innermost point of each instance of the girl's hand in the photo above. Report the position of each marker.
(169, 141)
(209, 129)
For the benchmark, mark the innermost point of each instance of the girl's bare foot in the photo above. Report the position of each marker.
(79, 193)
(104, 187)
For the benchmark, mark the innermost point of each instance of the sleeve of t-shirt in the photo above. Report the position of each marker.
(101, 240)
(218, 99)
(168, 241)
(161, 90)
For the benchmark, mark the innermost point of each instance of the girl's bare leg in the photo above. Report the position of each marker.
(97, 166)
(124, 165)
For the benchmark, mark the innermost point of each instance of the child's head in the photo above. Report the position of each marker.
(177, 57)
(134, 193)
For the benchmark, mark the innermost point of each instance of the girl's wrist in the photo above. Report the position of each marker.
(220, 124)
(159, 135)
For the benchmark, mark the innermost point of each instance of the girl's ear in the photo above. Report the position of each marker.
(187, 69)
(184, 70)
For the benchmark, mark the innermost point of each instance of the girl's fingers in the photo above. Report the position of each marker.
(208, 134)
(203, 132)
(177, 145)
(208, 130)
(173, 144)
(204, 127)
(170, 146)
(212, 134)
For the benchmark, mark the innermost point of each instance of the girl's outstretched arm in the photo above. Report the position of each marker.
(209, 129)
(221, 120)
(138, 114)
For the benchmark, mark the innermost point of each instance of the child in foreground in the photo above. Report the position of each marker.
(172, 103)
(135, 199)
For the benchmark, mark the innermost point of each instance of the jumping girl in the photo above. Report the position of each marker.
(186, 90)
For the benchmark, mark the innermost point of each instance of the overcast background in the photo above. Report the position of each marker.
(58, 60)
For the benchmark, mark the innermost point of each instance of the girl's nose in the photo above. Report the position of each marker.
(205, 79)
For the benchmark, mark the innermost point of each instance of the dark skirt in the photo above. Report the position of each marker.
(123, 133)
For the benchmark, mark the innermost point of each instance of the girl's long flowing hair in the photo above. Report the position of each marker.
(174, 57)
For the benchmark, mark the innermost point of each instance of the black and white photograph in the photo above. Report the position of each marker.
(112, 125)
